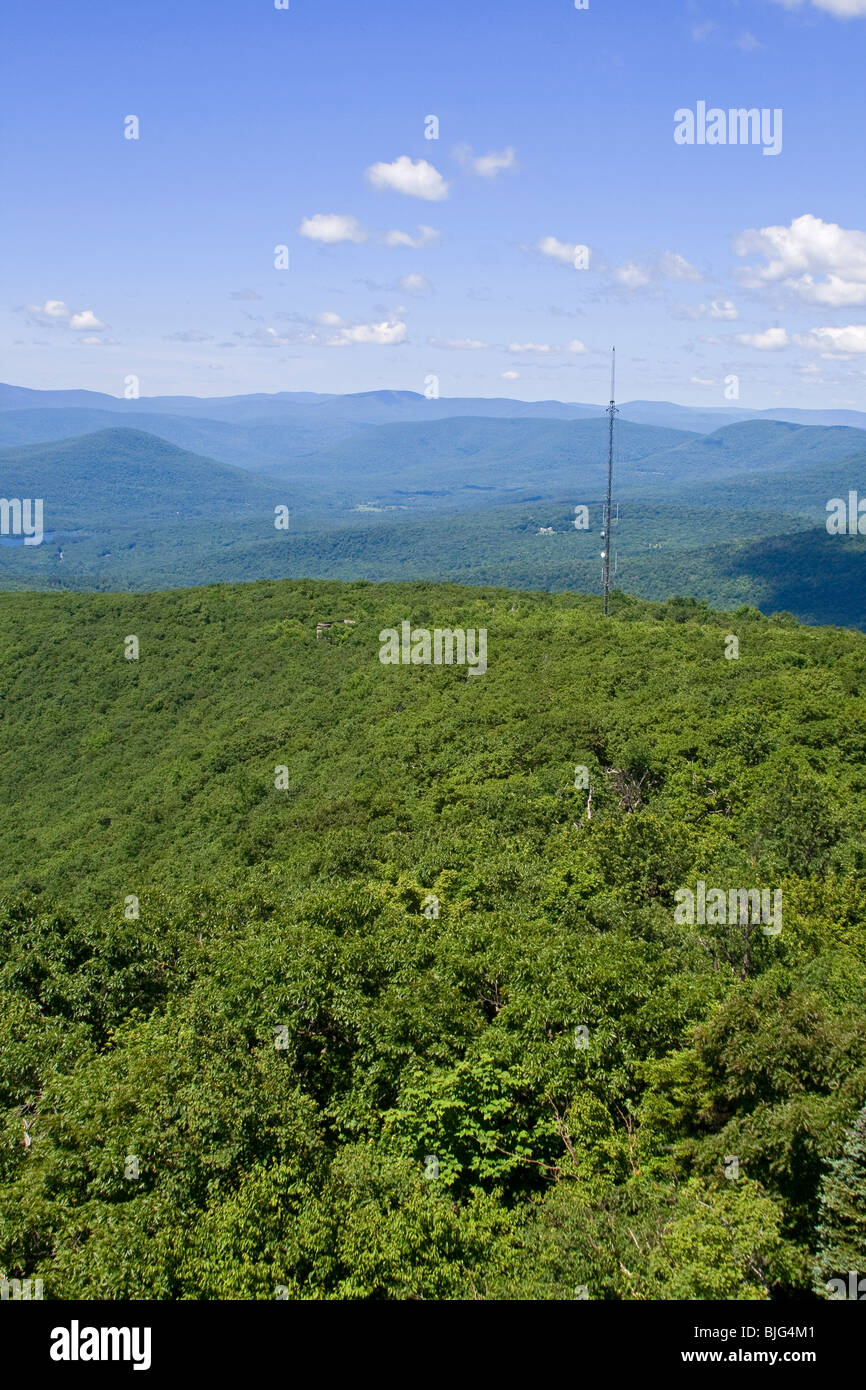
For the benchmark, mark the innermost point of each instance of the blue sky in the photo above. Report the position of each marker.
(305, 127)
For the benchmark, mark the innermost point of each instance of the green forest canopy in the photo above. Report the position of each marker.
(415, 1024)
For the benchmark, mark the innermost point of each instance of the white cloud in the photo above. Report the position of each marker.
(546, 349)
(716, 309)
(837, 342)
(701, 381)
(510, 376)
(384, 334)
(414, 284)
(457, 344)
(414, 178)
(632, 276)
(55, 311)
(672, 266)
(794, 256)
(51, 309)
(486, 165)
(701, 32)
(769, 341)
(557, 250)
(243, 294)
(842, 9)
(332, 227)
(747, 42)
(262, 337)
(326, 330)
(427, 236)
(86, 319)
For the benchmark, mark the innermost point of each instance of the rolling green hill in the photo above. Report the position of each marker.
(467, 461)
(338, 979)
(121, 477)
(760, 447)
(459, 499)
(255, 445)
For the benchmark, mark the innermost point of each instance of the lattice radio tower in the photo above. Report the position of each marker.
(607, 526)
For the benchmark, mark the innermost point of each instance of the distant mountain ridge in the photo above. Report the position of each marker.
(140, 497)
(384, 406)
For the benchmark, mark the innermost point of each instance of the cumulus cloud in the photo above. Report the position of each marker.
(636, 275)
(414, 178)
(842, 9)
(51, 309)
(510, 376)
(716, 309)
(86, 320)
(262, 337)
(632, 276)
(457, 344)
(546, 349)
(327, 330)
(486, 165)
(384, 334)
(837, 342)
(54, 311)
(427, 236)
(414, 284)
(819, 261)
(244, 294)
(564, 251)
(701, 381)
(672, 266)
(771, 340)
(331, 228)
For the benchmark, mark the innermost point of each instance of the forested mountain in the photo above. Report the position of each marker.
(254, 447)
(464, 499)
(753, 446)
(124, 478)
(357, 980)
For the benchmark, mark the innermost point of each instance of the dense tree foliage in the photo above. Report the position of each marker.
(417, 1018)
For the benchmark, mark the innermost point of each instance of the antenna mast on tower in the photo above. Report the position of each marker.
(606, 528)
